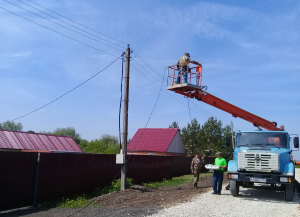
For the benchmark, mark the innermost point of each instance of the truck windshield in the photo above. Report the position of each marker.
(262, 140)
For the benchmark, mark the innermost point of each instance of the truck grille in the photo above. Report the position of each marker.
(258, 162)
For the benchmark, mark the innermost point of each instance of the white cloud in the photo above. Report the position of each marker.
(12, 55)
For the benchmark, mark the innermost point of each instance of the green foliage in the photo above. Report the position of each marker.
(72, 202)
(68, 131)
(30, 131)
(190, 137)
(11, 125)
(181, 180)
(210, 136)
(174, 125)
(83, 143)
(165, 182)
(107, 144)
(116, 185)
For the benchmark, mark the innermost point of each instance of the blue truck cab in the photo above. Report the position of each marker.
(263, 157)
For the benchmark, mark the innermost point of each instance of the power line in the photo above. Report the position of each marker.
(72, 25)
(129, 155)
(85, 206)
(60, 24)
(121, 100)
(192, 103)
(189, 110)
(77, 23)
(59, 33)
(177, 97)
(165, 90)
(68, 91)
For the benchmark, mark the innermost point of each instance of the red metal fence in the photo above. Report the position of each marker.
(17, 175)
(182, 165)
(65, 174)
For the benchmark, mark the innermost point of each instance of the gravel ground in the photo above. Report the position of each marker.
(260, 201)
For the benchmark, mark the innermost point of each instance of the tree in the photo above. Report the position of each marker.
(83, 143)
(174, 125)
(107, 144)
(210, 136)
(68, 131)
(190, 138)
(11, 125)
(213, 136)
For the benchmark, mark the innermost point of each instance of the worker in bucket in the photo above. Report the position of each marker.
(183, 67)
(196, 166)
(218, 174)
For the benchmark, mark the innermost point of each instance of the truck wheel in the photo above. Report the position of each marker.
(234, 188)
(289, 192)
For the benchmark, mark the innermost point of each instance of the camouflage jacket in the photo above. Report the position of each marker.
(195, 165)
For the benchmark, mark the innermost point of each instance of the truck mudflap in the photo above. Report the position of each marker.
(261, 178)
(297, 185)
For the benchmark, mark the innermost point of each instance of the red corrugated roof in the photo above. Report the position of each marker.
(152, 139)
(36, 141)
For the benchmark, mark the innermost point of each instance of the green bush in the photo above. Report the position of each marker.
(116, 185)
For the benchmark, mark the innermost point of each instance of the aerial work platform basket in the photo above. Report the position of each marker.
(175, 77)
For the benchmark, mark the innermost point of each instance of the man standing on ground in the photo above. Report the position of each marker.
(182, 66)
(218, 174)
(196, 166)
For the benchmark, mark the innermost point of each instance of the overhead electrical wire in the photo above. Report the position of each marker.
(59, 33)
(62, 25)
(123, 55)
(77, 22)
(138, 55)
(165, 90)
(68, 91)
(71, 24)
(85, 206)
(177, 97)
(198, 107)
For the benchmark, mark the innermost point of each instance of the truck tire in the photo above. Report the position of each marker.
(234, 188)
(289, 191)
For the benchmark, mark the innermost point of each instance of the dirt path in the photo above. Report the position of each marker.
(163, 197)
(130, 202)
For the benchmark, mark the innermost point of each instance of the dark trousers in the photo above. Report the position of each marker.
(217, 179)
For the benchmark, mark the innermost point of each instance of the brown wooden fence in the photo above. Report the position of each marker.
(25, 181)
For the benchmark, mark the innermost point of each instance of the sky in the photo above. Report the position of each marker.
(249, 51)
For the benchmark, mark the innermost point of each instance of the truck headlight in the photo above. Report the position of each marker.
(283, 179)
(234, 176)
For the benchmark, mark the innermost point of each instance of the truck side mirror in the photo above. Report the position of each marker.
(228, 141)
(296, 142)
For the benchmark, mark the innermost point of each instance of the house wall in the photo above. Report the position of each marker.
(176, 145)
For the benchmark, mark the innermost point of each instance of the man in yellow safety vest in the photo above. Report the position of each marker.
(182, 66)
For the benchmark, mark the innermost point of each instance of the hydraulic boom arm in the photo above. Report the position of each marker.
(197, 91)
(231, 109)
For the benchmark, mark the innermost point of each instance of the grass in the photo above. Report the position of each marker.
(297, 166)
(176, 181)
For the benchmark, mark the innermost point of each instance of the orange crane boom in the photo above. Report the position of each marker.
(198, 92)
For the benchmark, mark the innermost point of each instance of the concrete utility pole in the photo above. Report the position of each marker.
(125, 120)
(232, 135)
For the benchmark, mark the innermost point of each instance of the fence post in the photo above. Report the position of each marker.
(36, 179)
